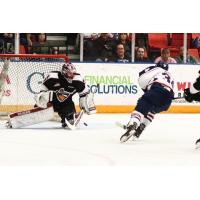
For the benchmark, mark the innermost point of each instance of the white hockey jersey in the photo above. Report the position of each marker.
(154, 74)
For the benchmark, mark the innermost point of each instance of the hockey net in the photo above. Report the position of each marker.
(21, 79)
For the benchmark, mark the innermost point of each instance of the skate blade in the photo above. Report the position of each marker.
(129, 133)
(134, 138)
(126, 136)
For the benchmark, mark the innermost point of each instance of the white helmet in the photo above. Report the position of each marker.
(68, 70)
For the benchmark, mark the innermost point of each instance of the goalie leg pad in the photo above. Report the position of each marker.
(30, 117)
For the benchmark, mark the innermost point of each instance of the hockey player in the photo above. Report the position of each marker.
(193, 94)
(157, 84)
(58, 89)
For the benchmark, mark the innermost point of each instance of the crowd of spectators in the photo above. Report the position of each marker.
(110, 47)
(102, 47)
(189, 59)
(32, 43)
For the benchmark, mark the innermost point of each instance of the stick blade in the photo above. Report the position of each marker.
(119, 124)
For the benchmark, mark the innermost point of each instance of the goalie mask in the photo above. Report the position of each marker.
(68, 70)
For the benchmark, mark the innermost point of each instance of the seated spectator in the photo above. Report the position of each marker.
(2, 49)
(90, 52)
(104, 46)
(189, 59)
(123, 38)
(198, 59)
(25, 40)
(7, 42)
(120, 55)
(141, 40)
(140, 55)
(196, 42)
(165, 57)
(41, 45)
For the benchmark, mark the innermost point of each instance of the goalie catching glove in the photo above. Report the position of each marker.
(86, 103)
(43, 98)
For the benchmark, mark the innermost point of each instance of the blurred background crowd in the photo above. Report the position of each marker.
(107, 47)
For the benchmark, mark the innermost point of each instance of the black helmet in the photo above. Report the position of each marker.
(163, 65)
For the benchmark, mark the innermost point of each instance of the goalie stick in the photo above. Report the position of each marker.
(77, 120)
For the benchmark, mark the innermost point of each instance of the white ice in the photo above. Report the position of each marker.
(168, 141)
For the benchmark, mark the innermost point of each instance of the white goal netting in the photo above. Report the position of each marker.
(21, 80)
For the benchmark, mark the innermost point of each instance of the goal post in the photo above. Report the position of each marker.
(21, 76)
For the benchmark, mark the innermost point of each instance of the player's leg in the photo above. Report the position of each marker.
(66, 111)
(133, 124)
(144, 105)
(147, 120)
(155, 100)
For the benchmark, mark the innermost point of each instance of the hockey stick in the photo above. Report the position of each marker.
(77, 120)
(121, 125)
(178, 98)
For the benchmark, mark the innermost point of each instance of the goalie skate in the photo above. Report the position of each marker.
(73, 124)
(8, 124)
(130, 131)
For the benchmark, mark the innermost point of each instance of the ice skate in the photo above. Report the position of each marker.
(130, 131)
(72, 123)
(66, 124)
(138, 131)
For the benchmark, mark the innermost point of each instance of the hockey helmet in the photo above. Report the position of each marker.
(163, 65)
(68, 70)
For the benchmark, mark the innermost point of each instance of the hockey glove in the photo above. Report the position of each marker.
(43, 98)
(191, 97)
(86, 103)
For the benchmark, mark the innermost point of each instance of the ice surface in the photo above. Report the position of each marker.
(168, 141)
